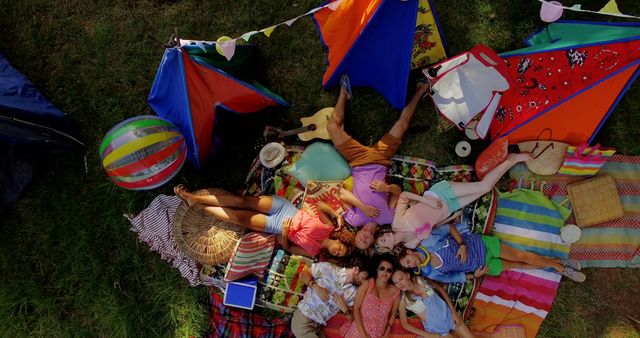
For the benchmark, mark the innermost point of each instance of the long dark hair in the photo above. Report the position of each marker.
(379, 259)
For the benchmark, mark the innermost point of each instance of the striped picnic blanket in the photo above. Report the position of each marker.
(526, 220)
(153, 226)
(607, 245)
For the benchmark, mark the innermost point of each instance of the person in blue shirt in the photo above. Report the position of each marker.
(448, 256)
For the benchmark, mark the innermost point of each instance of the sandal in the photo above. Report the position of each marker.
(574, 275)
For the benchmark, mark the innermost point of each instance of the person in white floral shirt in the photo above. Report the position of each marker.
(330, 289)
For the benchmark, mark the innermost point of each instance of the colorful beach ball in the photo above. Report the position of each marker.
(143, 152)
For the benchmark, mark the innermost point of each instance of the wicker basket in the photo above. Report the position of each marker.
(203, 237)
(595, 200)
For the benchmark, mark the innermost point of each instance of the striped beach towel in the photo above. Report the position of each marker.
(153, 226)
(251, 256)
(526, 220)
(613, 244)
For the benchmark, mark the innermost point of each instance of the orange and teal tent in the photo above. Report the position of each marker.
(569, 79)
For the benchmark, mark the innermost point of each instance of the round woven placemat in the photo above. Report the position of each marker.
(203, 237)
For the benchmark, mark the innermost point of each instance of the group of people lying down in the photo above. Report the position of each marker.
(416, 253)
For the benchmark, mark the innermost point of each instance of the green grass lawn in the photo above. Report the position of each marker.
(70, 266)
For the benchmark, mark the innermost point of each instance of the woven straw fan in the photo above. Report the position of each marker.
(203, 237)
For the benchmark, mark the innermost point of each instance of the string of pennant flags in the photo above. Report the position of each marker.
(552, 10)
(226, 46)
(549, 12)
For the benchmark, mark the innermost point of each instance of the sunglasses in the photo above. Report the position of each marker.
(382, 268)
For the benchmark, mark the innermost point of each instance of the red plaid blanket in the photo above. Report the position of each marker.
(229, 322)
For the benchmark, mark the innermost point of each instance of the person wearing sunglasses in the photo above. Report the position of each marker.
(452, 257)
(431, 303)
(376, 304)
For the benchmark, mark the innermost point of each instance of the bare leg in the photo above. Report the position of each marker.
(508, 265)
(468, 192)
(514, 255)
(401, 126)
(463, 331)
(245, 218)
(260, 204)
(335, 125)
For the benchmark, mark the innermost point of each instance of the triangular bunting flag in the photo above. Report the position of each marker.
(246, 36)
(334, 5)
(199, 44)
(268, 31)
(576, 7)
(290, 22)
(313, 10)
(610, 8)
(228, 48)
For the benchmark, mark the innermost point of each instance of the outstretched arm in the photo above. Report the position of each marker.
(402, 310)
(445, 296)
(296, 250)
(462, 250)
(349, 198)
(392, 317)
(329, 216)
(284, 239)
(392, 189)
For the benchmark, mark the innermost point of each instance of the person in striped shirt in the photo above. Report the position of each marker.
(452, 257)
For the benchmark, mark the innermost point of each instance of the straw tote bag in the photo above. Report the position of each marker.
(548, 155)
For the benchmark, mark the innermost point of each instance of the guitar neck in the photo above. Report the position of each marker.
(286, 133)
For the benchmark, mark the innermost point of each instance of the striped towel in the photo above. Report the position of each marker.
(526, 220)
(153, 226)
(613, 244)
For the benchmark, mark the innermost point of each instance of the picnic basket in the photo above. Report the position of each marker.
(202, 237)
(595, 200)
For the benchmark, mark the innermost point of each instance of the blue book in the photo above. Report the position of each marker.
(241, 293)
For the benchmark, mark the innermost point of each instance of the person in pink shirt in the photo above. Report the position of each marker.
(301, 233)
(415, 216)
(376, 304)
(366, 207)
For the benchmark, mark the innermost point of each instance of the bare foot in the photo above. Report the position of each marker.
(181, 191)
(521, 157)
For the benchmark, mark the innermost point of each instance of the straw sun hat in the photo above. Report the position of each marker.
(272, 154)
(203, 237)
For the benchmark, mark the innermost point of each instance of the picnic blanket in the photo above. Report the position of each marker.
(529, 221)
(332, 329)
(411, 174)
(153, 226)
(229, 322)
(607, 245)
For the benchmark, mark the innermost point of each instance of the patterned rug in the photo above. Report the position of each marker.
(606, 245)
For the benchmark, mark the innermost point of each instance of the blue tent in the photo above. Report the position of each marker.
(31, 129)
(372, 42)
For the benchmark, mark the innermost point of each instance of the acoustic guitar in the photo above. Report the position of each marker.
(314, 126)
